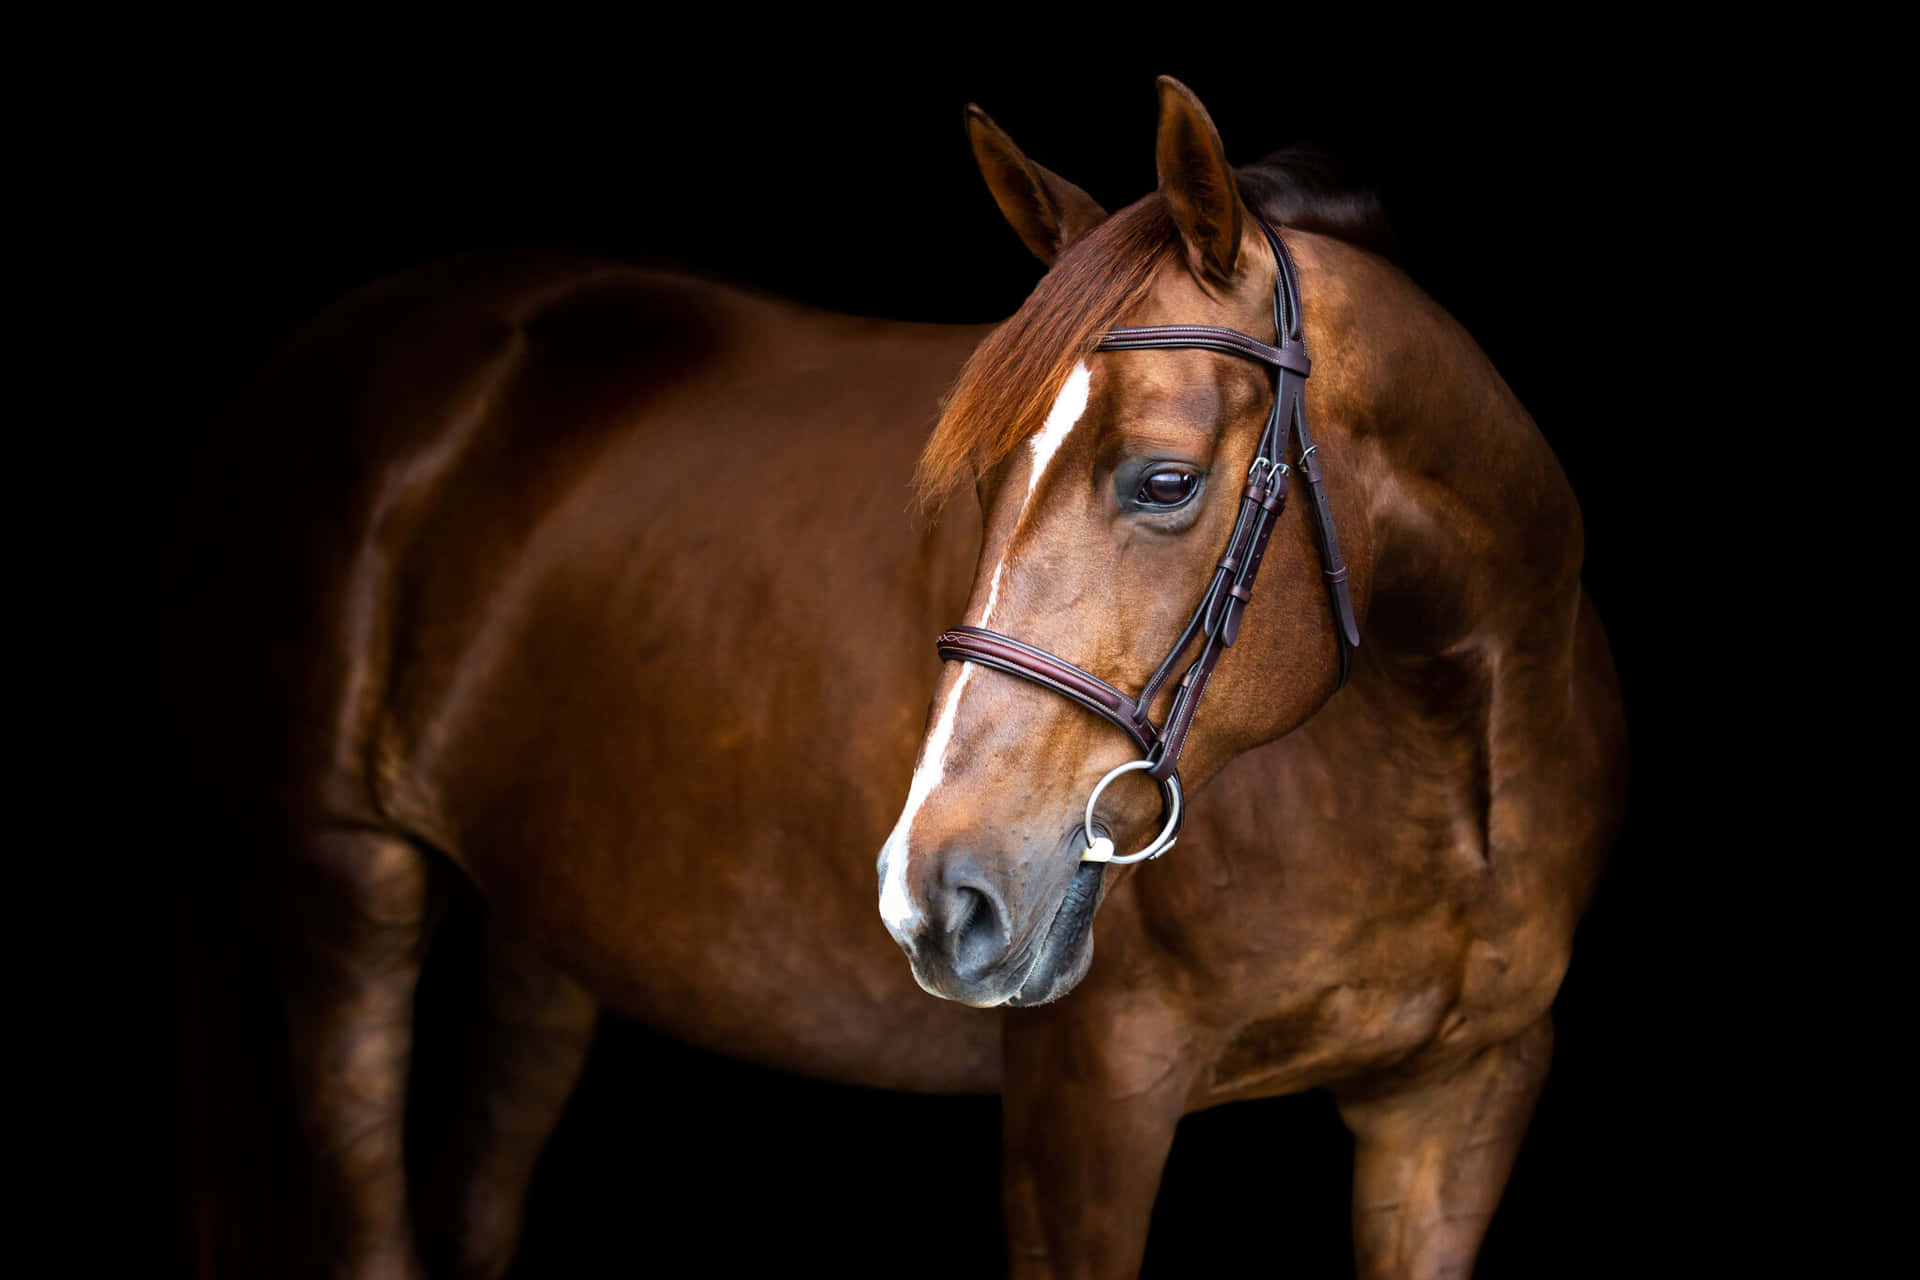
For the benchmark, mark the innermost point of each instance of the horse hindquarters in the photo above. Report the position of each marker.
(358, 911)
(355, 911)
(525, 1045)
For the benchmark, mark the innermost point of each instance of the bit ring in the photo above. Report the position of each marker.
(1161, 843)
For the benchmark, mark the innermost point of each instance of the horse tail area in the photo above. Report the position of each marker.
(1315, 189)
(320, 539)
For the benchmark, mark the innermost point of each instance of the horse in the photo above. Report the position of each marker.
(597, 587)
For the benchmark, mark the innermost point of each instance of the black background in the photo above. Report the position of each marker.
(1535, 206)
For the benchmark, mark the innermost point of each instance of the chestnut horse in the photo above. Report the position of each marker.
(599, 587)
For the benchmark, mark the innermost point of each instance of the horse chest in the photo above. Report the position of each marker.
(1321, 938)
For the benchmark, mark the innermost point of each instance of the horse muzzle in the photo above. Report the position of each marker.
(981, 941)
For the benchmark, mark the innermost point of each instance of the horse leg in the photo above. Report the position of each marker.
(1431, 1158)
(526, 1044)
(1091, 1099)
(356, 930)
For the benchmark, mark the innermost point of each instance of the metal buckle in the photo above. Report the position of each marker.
(1256, 477)
(1100, 849)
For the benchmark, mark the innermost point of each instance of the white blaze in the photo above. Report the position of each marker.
(897, 907)
(993, 593)
(1067, 408)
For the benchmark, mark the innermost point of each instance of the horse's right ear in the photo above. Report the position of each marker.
(1198, 184)
(1049, 212)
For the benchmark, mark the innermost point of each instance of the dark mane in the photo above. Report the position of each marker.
(1007, 385)
(1309, 188)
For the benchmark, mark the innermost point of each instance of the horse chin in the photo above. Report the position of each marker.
(1066, 953)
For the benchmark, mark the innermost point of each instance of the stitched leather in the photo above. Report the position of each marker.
(1016, 657)
(1208, 337)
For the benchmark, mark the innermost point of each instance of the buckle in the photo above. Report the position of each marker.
(1255, 476)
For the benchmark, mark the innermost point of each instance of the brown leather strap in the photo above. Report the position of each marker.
(1335, 569)
(1208, 338)
(1017, 657)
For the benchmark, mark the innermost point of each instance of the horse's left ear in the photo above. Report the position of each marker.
(1049, 212)
(1197, 183)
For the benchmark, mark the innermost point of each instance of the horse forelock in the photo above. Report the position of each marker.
(1011, 381)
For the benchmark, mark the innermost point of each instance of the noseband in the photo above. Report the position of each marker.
(1217, 619)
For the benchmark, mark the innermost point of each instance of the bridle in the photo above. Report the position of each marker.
(1224, 602)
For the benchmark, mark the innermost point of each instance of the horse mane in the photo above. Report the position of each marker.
(1312, 189)
(1009, 382)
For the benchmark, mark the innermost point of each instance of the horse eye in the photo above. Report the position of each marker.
(1167, 488)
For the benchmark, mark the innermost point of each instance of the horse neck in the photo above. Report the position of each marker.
(1473, 533)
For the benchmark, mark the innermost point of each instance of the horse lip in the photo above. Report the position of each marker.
(1040, 948)
(1032, 944)
(1066, 933)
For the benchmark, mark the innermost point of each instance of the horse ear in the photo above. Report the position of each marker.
(1197, 183)
(1049, 212)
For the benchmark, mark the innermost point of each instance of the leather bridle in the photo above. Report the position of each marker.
(1224, 602)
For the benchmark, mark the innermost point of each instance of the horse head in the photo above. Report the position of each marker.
(1110, 483)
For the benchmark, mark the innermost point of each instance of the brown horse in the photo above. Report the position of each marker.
(598, 586)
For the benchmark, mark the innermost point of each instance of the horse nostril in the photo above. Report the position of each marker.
(979, 932)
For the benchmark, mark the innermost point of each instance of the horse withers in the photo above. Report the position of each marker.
(469, 589)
